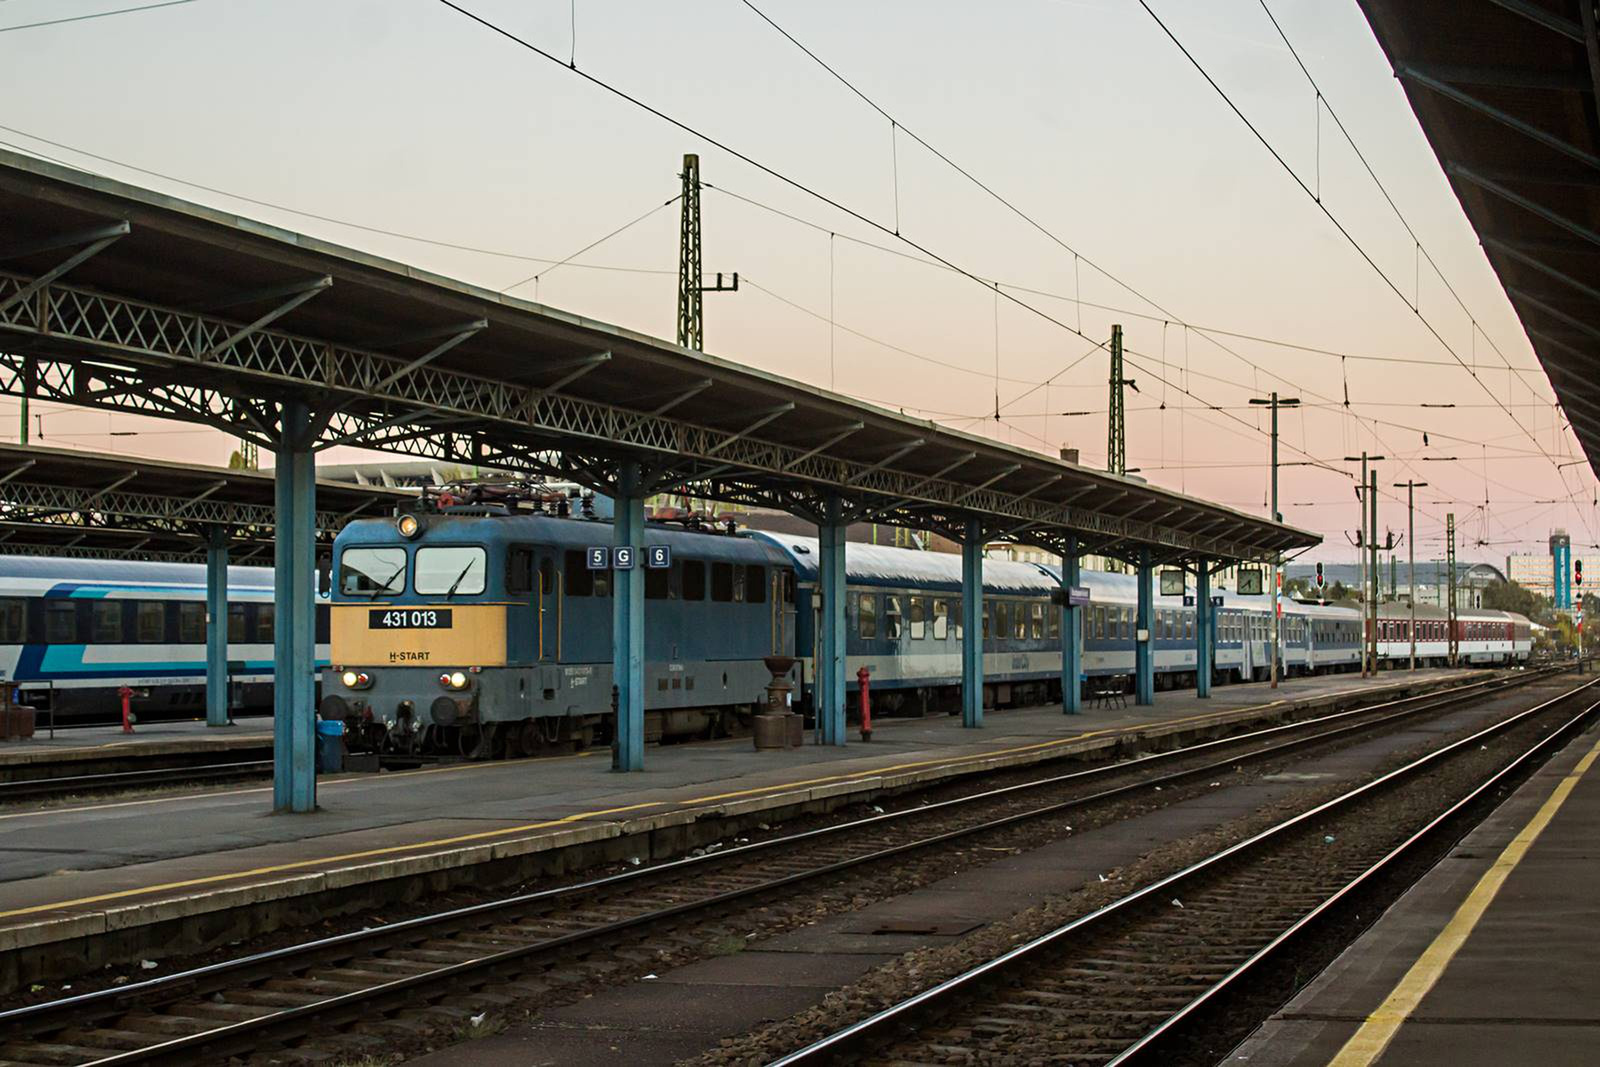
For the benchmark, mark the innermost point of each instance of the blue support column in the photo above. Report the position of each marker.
(217, 630)
(972, 625)
(1203, 622)
(1144, 673)
(831, 680)
(1071, 635)
(294, 780)
(627, 623)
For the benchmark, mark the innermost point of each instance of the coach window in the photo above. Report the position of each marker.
(448, 570)
(105, 622)
(941, 619)
(955, 613)
(1036, 621)
(867, 615)
(236, 624)
(891, 617)
(191, 622)
(150, 622)
(755, 583)
(1099, 622)
(694, 579)
(988, 611)
(264, 623)
(372, 571)
(1053, 622)
(919, 618)
(61, 622)
(1002, 619)
(722, 582)
(12, 614)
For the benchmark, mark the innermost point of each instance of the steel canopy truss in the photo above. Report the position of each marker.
(87, 505)
(474, 377)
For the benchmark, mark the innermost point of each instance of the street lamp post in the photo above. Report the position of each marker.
(1276, 402)
(1411, 488)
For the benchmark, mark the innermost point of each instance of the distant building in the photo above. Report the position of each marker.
(1550, 575)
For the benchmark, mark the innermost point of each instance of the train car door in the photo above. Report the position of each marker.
(548, 603)
(780, 598)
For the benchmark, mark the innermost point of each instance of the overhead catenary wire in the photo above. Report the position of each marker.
(94, 15)
(1334, 219)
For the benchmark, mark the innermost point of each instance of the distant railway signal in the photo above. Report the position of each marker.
(1321, 581)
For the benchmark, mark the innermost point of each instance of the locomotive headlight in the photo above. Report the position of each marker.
(453, 680)
(408, 526)
(356, 679)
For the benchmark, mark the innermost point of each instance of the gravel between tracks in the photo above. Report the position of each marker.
(1363, 835)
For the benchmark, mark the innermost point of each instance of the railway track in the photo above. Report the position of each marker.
(278, 996)
(116, 781)
(1139, 980)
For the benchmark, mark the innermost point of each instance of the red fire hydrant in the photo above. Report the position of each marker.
(127, 715)
(863, 677)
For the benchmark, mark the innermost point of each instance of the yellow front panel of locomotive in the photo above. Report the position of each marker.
(418, 635)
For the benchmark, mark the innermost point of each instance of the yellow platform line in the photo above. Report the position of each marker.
(1369, 1042)
(508, 831)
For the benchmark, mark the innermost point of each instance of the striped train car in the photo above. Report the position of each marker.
(72, 632)
(903, 624)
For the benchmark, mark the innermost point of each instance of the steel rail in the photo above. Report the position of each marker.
(24, 788)
(884, 1026)
(74, 1011)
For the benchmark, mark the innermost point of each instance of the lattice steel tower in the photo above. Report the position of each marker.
(691, 275)
(1116, 420)
(690, 325)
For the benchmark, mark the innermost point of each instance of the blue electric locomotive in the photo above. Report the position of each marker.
(482, 630)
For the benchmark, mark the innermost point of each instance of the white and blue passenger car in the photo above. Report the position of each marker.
(73, 632)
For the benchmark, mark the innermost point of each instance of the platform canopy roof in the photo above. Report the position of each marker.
(62, 502)
(1505, 91)
(116, 297)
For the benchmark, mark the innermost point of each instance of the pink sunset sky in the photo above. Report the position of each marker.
(344, 118)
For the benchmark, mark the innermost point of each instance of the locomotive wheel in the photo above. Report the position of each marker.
(468, 739)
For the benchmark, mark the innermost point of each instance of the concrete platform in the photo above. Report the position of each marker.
(1490, 959)
(159, 870)
(91, 743)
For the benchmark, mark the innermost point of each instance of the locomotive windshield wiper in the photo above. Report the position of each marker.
(448, 593)
(385, 587)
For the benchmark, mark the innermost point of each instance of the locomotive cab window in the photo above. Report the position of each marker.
(372, 572)
(449, 570)
(755, 583)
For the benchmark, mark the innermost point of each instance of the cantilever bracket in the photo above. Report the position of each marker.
(303, 292)
(96, 240)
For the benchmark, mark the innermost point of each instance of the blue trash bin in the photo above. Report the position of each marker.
(330, 747)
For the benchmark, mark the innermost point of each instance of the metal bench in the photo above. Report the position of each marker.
(1107, 691)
